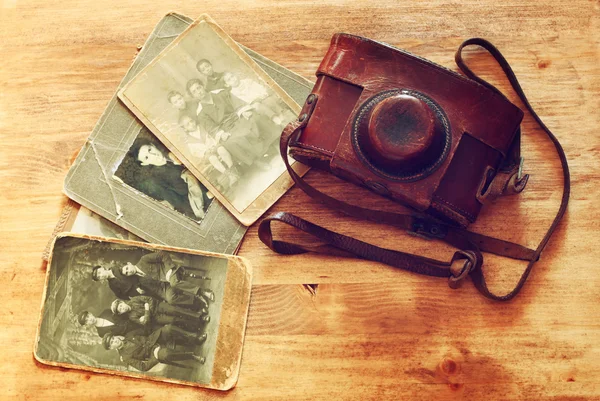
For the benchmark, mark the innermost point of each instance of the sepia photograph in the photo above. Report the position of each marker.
(150, 168)
(127, 307)
(219, 113)
(88, 222)
(106, 179)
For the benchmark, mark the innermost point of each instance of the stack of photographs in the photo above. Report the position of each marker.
(166, 204)
(219, 114)
(141, 281)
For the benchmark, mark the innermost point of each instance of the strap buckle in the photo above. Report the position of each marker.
(517, 181)
(427, 229)
(520, 170)
(461, 271)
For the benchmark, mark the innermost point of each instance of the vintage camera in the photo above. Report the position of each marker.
(410, 130)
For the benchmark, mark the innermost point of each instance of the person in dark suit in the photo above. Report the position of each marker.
(148, 311)
(107, 322)
(214, 110)
(143, 352)
(125, 287)
(213, 79)
(122, 286)
(160, 266)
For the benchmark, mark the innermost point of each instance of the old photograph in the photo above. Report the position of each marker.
(91, 180)
(75, 218)
(127, 307)
(88, 222)
(149, 167)
(220, 114)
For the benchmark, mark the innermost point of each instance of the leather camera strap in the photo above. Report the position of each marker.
(467, 261)
(478, 277)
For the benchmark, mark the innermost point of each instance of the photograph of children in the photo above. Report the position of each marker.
(215, 111)
(152, 169)
(129, 308)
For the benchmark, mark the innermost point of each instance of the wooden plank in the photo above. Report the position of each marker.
(367, 331)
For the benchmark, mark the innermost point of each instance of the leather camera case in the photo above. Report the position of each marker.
(406, 128)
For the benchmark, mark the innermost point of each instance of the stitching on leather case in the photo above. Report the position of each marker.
(307, 146)
(451, 214)
(309, 154)
(452, 206)
(415, 176)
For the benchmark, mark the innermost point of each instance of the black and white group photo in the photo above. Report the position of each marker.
(222, 117)
(231, 125)
(123, 307)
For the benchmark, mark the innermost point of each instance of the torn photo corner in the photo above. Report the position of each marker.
(219, 114)
(165, 205)
(143, 310)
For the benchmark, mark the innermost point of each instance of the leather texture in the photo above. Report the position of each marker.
(344, 133)
(468, 260)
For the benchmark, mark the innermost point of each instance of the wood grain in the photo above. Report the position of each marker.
(365, 331)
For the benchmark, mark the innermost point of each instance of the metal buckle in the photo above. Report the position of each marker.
(458, 275)
(518, 181)
(520, 171)
(427, 229)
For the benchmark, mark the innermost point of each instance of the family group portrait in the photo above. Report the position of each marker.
(219, 115)
(231, 125)
(127, 308)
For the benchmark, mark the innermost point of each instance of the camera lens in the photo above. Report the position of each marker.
(401, 134)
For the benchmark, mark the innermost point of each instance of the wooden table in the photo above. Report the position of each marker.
(330, 328)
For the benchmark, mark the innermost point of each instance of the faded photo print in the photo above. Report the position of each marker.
(127, 308)
(149, 167)
(88, 222)
(217, 112)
